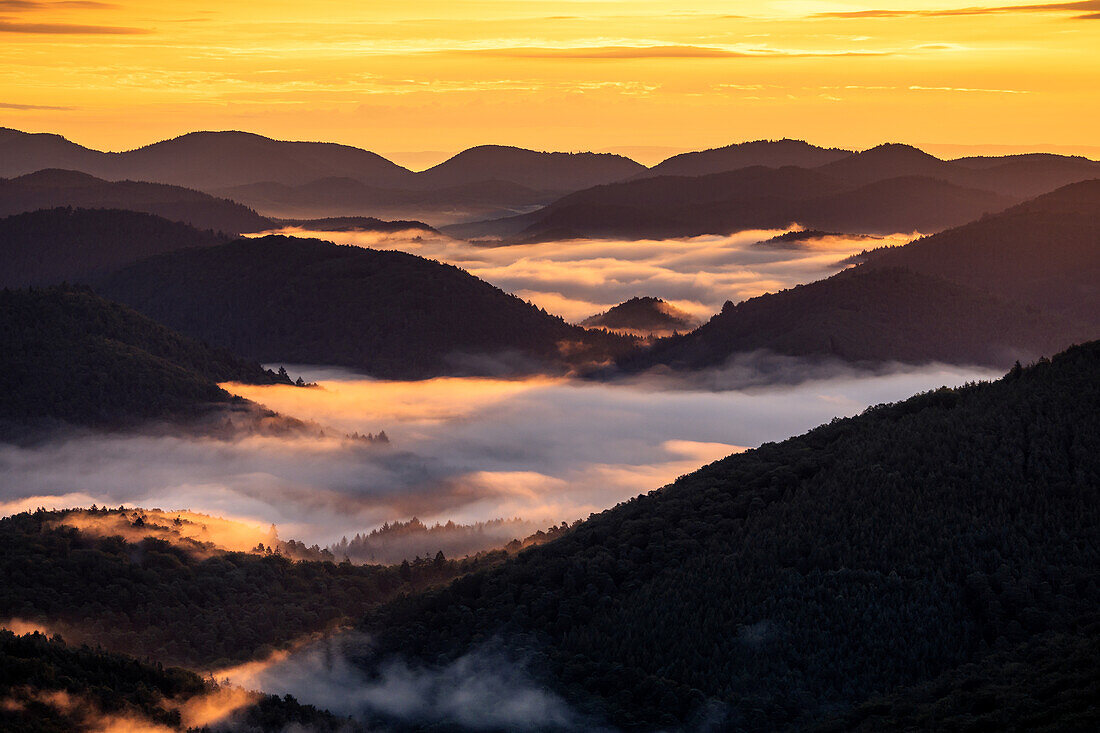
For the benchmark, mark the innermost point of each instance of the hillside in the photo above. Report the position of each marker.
(51, 246)
(185, 603)
(68, 356)
(770, 153)
(646, 316)
(789, 583)
(540, 171)
(750, 198)
(1044, 253)
(49, 686)
(387, 313)
(869, 316)
(48, 189)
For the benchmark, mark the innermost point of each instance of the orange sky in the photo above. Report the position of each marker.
(441, 75)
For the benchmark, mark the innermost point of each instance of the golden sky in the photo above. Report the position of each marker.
(428, 75)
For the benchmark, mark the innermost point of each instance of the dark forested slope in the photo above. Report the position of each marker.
(792, 581)
(1044, 253)
(51, 246)
(48, 686)
(67, 355)
(47, 189)
(869, 315)
(184, 603)
(388, 313)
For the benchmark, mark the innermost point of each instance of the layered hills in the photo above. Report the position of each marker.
(1013, 285)
(47, 189)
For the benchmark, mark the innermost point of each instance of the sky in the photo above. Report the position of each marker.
(653, 77)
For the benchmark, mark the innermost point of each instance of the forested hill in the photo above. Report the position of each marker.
(1044, 253)
(67, 355)
(780, 586)
(48, 686)
(869, 316)
(387, 313)
(46, 189)
(51, 246)
(1016, 284)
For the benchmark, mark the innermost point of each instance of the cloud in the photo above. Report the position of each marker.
(579, 278)
(55, 4)
(1073, 7)
(652, 52)
(67, 29)
(466, 450)
(9, 105)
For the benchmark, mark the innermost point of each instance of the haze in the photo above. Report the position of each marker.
(558, 74)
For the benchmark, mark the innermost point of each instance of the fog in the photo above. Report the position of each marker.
(579, 278)
(485, 689)
(462, 449)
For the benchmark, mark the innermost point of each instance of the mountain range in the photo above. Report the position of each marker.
(312, 179)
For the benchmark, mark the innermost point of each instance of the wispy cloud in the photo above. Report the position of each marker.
(55, 5)
(68, 29)
(1083, 7)
(653, 52)
(11, 105)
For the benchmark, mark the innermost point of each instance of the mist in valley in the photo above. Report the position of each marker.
(542, 449)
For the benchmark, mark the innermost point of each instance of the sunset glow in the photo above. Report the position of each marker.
(643, 78)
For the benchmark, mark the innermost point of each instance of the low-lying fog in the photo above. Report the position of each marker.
(579, 278)
(465, 449)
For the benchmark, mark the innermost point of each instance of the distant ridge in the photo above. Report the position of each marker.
(51, 246)
(770, 153)
(51, 188)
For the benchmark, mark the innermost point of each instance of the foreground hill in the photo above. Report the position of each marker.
(51, 246)
(645, 316)
(770, 153)
(783, 585)
(388, 313)
(185, 602)
(47, 189)
(68, 356)
(48, 686)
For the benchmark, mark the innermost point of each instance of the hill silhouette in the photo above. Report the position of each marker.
(387, 313)
(1011, 285)
(540, 171)
(770, 153)
(1044, 253)
(68, 356)
(51, 246)
(871, 316)
(750, 198)
(643, 316)
(787, 584)
(47, 189)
